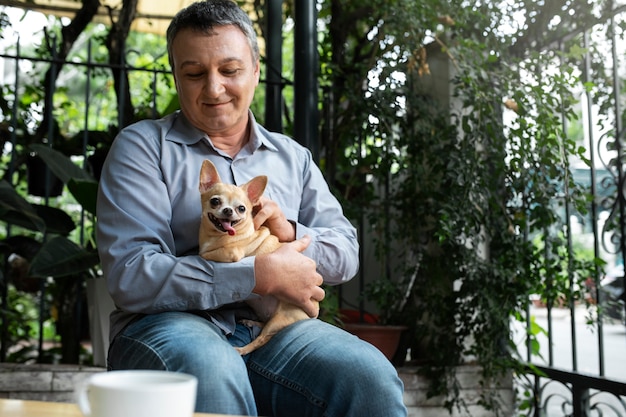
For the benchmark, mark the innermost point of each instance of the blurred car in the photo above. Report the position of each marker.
(612, 295)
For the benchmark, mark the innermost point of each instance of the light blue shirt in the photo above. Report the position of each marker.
(149, 215)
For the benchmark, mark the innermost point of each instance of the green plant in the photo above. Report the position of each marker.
(37, 247)
(388, 297)
(51, 120)
(329, 306)
(454, 179)
(21, 318)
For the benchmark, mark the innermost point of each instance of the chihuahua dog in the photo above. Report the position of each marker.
(227, 234)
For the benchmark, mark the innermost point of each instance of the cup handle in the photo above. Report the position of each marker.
(80, 394)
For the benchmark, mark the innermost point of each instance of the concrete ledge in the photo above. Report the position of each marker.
(469, 377)
(42, 382)
(56, 383)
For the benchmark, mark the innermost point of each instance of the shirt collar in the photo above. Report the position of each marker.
(184, 132)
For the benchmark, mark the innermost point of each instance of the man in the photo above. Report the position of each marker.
(179, 312)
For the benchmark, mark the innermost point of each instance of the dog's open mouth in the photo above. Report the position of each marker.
(223, 225)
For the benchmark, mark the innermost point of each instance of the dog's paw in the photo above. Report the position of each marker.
(252, 323)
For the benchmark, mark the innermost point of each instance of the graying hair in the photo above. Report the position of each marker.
(205, 15)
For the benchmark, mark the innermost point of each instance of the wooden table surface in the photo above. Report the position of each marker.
(23, 408)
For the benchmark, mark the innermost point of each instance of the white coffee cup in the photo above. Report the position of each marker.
(137, 393)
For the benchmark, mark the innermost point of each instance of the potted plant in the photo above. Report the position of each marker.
(39, 253)
(380, 329)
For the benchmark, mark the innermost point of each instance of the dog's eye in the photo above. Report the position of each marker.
(241, 209)
(215, 201)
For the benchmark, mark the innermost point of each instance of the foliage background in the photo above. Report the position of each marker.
(463, 188)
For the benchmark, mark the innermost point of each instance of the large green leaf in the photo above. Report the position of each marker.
(60, 164)
(25, 246)
(15, 210)
(85, 192)
(81, 184)
(57, 221)
(61, 257)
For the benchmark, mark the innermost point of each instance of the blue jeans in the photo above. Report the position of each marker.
(310, 368)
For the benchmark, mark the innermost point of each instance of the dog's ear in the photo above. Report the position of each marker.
(208, 176)
(255, 188)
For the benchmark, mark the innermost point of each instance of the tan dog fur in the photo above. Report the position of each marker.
(227, 235)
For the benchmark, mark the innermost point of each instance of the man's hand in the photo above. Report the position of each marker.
(290, 276)
(267, 213)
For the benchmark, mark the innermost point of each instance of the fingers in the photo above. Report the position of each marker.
(319, 294)
(290, 276)
(301, 244)
(260, 214)
(312, 308)
(263, 211)
(267, 213)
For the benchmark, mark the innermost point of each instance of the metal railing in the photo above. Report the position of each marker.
(580, 371)
(86, 83)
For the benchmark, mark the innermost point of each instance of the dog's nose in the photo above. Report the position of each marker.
(227, 211)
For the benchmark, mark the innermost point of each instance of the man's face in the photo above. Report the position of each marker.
(215, 78)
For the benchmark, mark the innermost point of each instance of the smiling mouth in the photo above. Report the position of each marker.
(215, 105)
(223, 225)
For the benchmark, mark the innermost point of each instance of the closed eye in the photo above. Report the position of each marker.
(194, 75)
(230, 72)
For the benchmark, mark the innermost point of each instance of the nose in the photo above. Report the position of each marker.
(227, 211)
(214, 86)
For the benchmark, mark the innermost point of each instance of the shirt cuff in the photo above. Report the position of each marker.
(236, 279)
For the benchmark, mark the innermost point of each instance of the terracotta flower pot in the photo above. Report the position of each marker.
(385, 337)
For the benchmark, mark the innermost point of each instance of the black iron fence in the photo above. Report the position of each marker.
(578, 369)
(80, 113)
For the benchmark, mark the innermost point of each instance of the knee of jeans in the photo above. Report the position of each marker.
(181, 347)
(369, 367)
(129, 353)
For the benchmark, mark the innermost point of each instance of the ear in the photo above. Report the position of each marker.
(257, 72)
(208, 176)
(255, 188)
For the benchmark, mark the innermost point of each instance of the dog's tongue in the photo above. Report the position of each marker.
(226, 225)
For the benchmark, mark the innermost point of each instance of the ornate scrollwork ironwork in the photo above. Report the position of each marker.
(612, 188)
(552, 397)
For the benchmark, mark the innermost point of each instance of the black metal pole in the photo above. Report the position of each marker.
(274, 64)
(306, 70)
